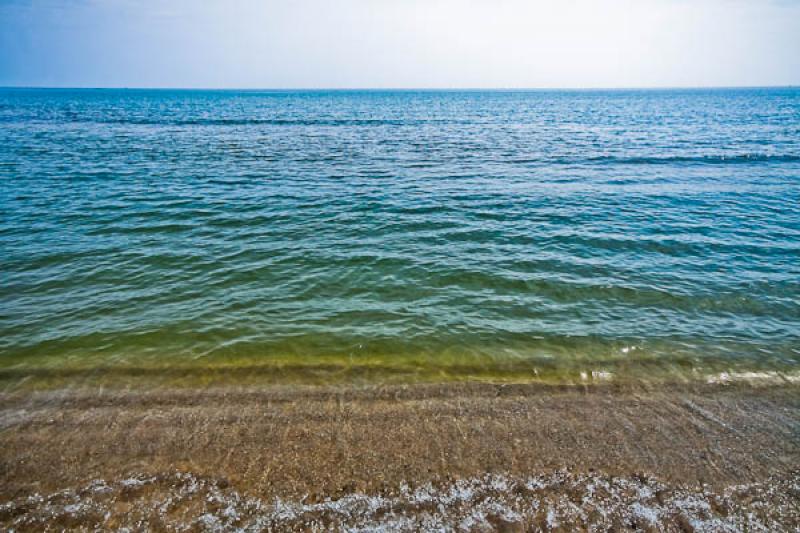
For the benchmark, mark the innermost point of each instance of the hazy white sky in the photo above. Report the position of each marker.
(399, 43)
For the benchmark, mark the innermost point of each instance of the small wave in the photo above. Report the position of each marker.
(754, 378)
(703, 159)
(715, 159)
(255, 122)
(482, 503)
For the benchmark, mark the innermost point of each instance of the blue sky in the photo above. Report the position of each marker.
(399, 43)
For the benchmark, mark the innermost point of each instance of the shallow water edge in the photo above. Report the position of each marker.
(318, 371)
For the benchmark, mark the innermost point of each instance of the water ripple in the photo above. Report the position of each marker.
(629, 229)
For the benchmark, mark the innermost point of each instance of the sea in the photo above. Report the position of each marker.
(567, 235)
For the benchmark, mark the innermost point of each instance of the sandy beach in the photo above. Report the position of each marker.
(458, 456)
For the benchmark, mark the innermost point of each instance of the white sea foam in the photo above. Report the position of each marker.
(767, 377)
(561, 499)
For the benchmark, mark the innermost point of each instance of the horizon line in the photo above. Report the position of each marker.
(442, 89)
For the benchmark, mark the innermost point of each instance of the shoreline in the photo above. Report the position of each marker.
(337, 373)
(312, 444)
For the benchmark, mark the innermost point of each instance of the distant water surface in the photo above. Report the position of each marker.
(537, 233)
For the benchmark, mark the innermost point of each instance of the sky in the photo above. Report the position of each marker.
(399, 43)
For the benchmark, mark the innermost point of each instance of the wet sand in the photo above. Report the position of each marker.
(463, 456)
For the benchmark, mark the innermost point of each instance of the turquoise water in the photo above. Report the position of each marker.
(539, 231)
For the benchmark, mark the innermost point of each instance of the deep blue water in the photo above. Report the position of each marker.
(605, 230)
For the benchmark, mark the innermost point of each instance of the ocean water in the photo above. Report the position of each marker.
(521, 234)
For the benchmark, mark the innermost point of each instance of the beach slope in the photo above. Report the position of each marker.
(466, 456)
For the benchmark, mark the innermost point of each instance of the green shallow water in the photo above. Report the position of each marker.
(137, 370)
(333, 236)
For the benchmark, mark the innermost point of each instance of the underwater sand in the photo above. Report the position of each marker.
(455, 456)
